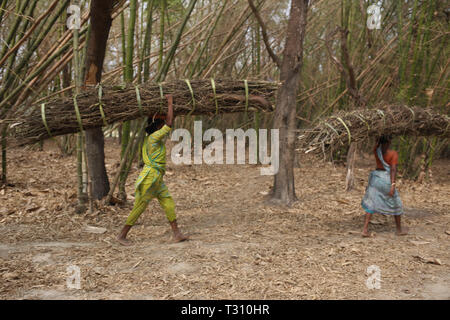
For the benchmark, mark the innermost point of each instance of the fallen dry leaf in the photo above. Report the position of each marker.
(92, 229)
(32, 208)
(418, 242)
(11, 276)
(342, 201)
(429, 260)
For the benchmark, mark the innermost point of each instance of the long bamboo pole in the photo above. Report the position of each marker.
(128, 77)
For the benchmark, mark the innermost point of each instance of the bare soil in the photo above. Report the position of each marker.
(240, 246)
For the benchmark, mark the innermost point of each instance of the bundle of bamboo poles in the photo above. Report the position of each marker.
(104, 105)
(344, 128)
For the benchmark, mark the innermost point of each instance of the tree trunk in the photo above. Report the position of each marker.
(285, 112)
(100, 25)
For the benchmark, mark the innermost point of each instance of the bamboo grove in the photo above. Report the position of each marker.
(346, 65)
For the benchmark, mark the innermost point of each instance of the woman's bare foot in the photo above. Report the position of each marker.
(402, 232)
(124, 241)
(366, 234)
(179, 237)
(122, 237)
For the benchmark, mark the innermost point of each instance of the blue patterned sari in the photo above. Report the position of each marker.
(376, 198)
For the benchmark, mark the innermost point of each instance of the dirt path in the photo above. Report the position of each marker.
(240, 248)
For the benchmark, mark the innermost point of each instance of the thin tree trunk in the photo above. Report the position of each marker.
(100, 25)
(285, 112)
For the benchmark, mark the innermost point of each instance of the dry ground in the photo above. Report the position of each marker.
(240, 248)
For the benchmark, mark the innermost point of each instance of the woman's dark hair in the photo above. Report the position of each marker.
(153, 125)
(384, 139)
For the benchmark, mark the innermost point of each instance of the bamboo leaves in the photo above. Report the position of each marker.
(165, 66)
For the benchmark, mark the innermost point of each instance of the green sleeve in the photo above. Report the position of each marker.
(160, 134)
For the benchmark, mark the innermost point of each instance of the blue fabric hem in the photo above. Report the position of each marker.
(372, 211)
(367, 209)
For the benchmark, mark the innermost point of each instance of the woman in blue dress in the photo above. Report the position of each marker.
(381, 195)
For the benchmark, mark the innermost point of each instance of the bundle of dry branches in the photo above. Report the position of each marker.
(106, 105)
(345, 127)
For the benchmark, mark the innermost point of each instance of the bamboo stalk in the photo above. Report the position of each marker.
(29, 32)
(13, 31)
(4, 161)
(161, 32)
(80, 157)
(165, 66)
(128, 77)
(123, 161)
(147, 40)
(206, 42)
(29, 53)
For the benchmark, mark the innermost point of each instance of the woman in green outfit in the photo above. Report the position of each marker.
(150, 182)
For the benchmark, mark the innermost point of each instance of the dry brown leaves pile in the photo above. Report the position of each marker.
(240, 247)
